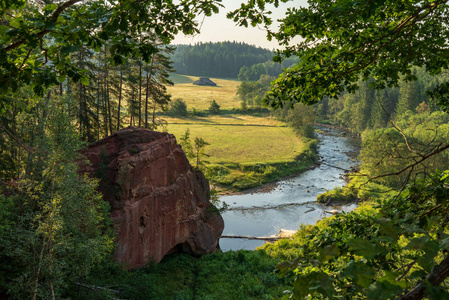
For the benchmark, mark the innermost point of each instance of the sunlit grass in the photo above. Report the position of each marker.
(243, 139)
(233, 119)
(199, 97)
(246, 150)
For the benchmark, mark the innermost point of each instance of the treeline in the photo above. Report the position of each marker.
(371, 109)
(268, 68)
(403, 131)
(222, 60)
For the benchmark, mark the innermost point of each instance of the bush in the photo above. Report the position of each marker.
(178, 108)
(214, 108)
(338, 194)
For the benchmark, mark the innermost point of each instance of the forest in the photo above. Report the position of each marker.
(227, 60)
(73, 72)
(221, 60)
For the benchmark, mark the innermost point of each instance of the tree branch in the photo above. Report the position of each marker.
(422, 158)
(53, 19)
(436, 277)
(16, 139)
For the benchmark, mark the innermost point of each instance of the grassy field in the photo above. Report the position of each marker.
(199, 97)
(241, 139)
(246, 150)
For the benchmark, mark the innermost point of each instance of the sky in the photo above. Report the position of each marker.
(218, 28)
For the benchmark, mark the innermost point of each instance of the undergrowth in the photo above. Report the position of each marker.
(225, 275)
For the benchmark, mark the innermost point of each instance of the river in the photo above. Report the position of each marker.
(293, 201)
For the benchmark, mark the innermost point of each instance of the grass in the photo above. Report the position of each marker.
(241, 139)
(199, 97)
(246, 151)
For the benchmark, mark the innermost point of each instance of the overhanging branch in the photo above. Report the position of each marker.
(436, 277)
(53, 19)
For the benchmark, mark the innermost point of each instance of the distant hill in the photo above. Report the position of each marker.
(219, 60)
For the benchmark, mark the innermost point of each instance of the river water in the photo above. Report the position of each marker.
(293, 201)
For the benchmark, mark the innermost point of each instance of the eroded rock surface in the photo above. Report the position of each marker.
(159, 203)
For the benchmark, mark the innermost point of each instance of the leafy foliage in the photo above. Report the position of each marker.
(347, 48)
(214, 108)
(252, 92)
(375, 254)
(61, 225)
(229, 275)
(386, 151)
(341, 40)
(39, 40)
(178, 108)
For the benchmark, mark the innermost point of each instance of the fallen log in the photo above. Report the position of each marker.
(261, 238)
(97, 288)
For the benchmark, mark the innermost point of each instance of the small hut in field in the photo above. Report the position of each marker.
(205, 81)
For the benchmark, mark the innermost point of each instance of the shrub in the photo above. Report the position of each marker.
(214, 108)
(178, 108)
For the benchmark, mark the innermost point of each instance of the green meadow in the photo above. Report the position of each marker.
(237, 139)
(246, 150)
(199, 97)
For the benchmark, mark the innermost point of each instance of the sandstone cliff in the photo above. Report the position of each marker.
(159, 203)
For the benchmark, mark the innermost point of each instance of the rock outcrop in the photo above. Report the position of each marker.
(159, 203)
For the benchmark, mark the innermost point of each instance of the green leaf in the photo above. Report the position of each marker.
(436, 292)
(51, 7)
(314, 282)
(287, 265)
(366, 248)
(418, 274)
(85, 80)
(444, 243)
(359, 271)
(383, 290)
(418, 243)
(16, 23)
(329, 252)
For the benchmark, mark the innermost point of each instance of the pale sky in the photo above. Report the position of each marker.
(218, 28)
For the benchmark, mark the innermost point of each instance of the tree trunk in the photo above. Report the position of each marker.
(104, 107)
(98, 107)
(148, 90)
(107, 90)
(119, 99)
(146, 101)
(80, 95)
(36, 278)
(154, 117)
(140, 93)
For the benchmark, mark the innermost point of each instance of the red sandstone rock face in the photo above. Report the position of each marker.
(159, 203)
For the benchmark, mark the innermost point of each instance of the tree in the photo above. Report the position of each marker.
(186, 144)
(399, 249)
(157, 78)
(301, 118)
(218, 60)
(178, 108)
(58, 80)
(199, 144)
(37, 38)
(61, 225)
(342, 40)
(214, 108)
